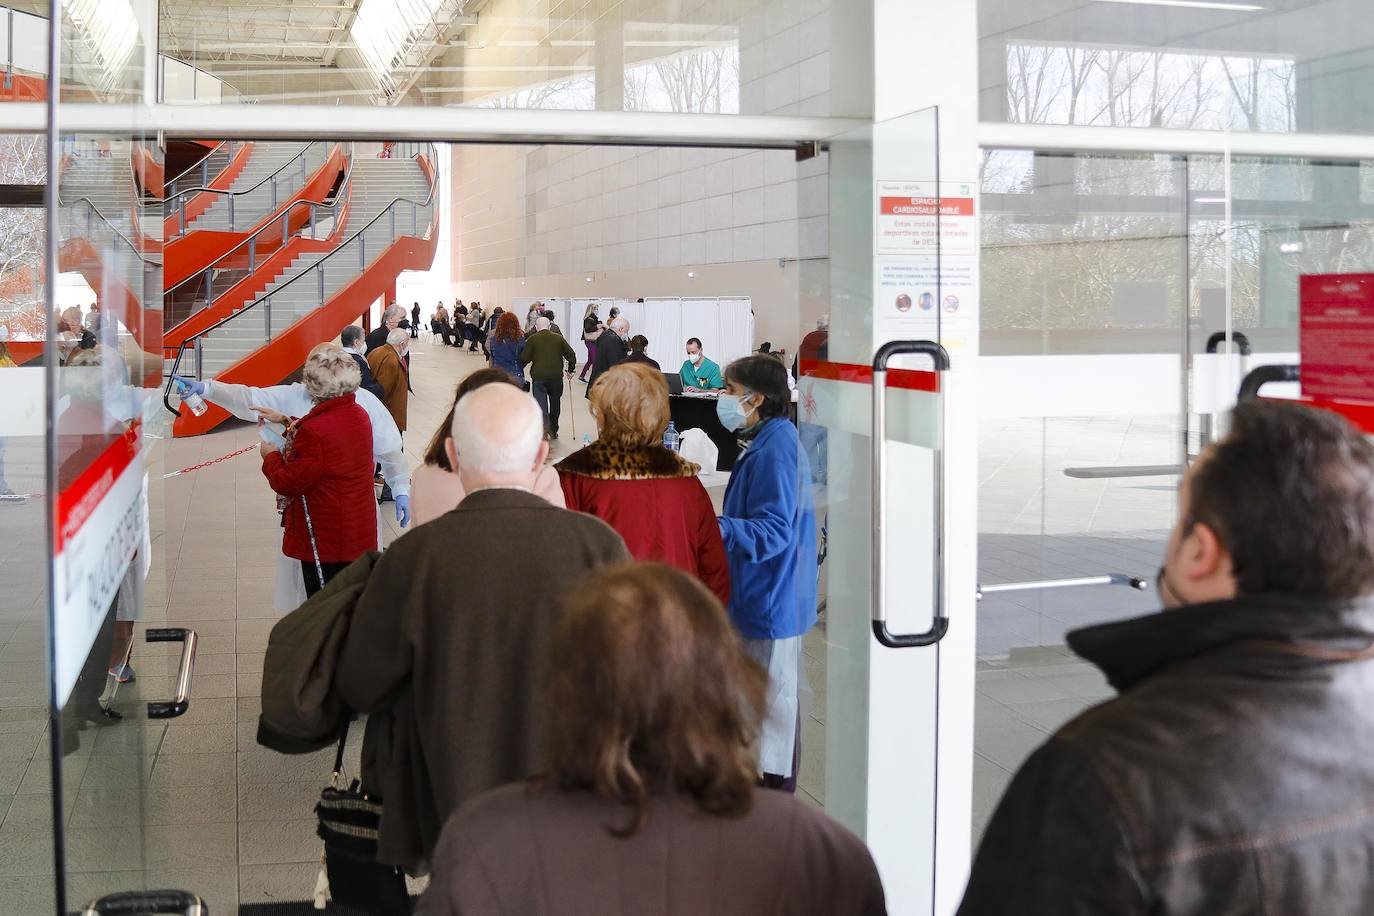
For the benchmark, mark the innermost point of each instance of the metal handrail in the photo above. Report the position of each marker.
(317, 266)
(344, 188)
(180, 197)
(201, 166)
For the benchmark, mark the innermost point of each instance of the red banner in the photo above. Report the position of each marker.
(76, 503)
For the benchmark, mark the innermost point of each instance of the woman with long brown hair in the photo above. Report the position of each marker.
(435, 487)
(650, 803)
(506, 344)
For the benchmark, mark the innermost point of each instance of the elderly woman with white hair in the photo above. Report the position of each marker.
(323, 475)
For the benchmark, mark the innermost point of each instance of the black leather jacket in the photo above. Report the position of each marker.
(1233, 774)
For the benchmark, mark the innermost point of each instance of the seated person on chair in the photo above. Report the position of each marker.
(698, 372)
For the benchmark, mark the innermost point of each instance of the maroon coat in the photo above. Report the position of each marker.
(329, 464)
(653, 499)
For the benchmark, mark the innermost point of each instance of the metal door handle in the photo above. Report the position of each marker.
(181, 701)
(1260, 376)
(1238, 338)
(1135, 582)
(939, 623)
(147, 903)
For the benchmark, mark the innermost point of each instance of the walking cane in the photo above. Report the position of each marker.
(572, 406)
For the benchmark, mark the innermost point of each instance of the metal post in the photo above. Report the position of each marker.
(231, 211)
(392, 211)
(9, 55)
(181, 215)
(319, 270)
(285, 226)
(414, 219)
(274, 192)
(205, 172)
(209, 285)
(252, 255)
(267, 320)
(200, 359)
(312, 222)
(362, 251)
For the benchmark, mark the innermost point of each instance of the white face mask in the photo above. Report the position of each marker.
(695, 358)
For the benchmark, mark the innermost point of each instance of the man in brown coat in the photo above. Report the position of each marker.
(451, 658)
(389, 370)
(1234, 773)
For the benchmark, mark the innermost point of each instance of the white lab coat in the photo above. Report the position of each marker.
(293, 401)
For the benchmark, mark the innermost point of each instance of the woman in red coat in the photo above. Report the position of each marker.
(648, 494)
(326, 470)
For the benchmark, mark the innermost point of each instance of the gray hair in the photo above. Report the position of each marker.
(620, 323)
(393, 311)
(351, 335)
(515, 423)
(330, 372)
(543, 323)
(398, 338)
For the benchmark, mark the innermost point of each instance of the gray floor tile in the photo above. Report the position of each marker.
(278, 842)
(275, 883)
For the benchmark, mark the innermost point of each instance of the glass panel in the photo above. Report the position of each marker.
(1089, 273)
(718, 56)
(1299, 66)
(118, 813)
(25, 748)
(876, 710)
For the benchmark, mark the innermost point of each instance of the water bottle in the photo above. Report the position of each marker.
(670, 437)
(193, 401)
(586, 440)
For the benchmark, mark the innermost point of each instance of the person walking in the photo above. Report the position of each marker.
(507, 343)
(388, 368)
(611, 349)
(647, 803)
(415, 321)
(651, 496)
(545, 353)
(324, 474)
(445, 681)
(591, 330)
(769, 528)
(437, 488)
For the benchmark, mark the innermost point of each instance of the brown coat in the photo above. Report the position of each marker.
(389, 372)
(543, 851)
(453, 652)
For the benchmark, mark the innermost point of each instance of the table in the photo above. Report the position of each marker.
(688, 412)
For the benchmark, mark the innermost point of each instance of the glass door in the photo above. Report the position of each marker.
(881, 329)
(103, 811)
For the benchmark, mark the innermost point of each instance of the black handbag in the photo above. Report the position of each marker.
(348, 822)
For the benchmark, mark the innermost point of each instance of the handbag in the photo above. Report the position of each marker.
(348, 822)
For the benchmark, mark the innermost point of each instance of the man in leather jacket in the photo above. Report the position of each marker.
(1234, 772)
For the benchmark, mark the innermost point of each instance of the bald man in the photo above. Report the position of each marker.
(451, 655)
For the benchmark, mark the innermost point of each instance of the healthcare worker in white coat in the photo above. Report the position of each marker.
(292, 400)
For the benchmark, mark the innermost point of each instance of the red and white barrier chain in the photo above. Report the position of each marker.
(212, 461)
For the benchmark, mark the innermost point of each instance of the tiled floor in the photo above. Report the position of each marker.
(223, 817)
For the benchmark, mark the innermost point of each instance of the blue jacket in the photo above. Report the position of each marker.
(769, 527)
(506, 355)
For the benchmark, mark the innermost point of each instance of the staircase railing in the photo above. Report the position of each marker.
(298, 168)
(108, 219)
(313, 220)
(201, 170)
(333, 258)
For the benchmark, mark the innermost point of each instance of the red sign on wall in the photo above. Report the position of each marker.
(1337, 338)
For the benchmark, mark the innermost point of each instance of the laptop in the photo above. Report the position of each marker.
(674, 381)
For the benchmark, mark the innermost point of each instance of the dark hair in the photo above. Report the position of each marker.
(1290, 493)
(615, 310)
(507, 329)
(351, 335)
(766, 376)
(435, 453)
(694, 340)
(638, 344)
(648, 690)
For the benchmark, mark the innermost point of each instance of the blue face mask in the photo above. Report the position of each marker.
(730, 411)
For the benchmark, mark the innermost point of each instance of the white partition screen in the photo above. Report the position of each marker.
(735, 321)
(701, 319)
(663, 326)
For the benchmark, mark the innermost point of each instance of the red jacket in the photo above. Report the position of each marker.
(653, 499)
(329, 463)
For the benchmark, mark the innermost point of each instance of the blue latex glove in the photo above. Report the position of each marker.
(402, 509)
(189, 385)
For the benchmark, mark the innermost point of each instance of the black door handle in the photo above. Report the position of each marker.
(181, 700)
(147, 903)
